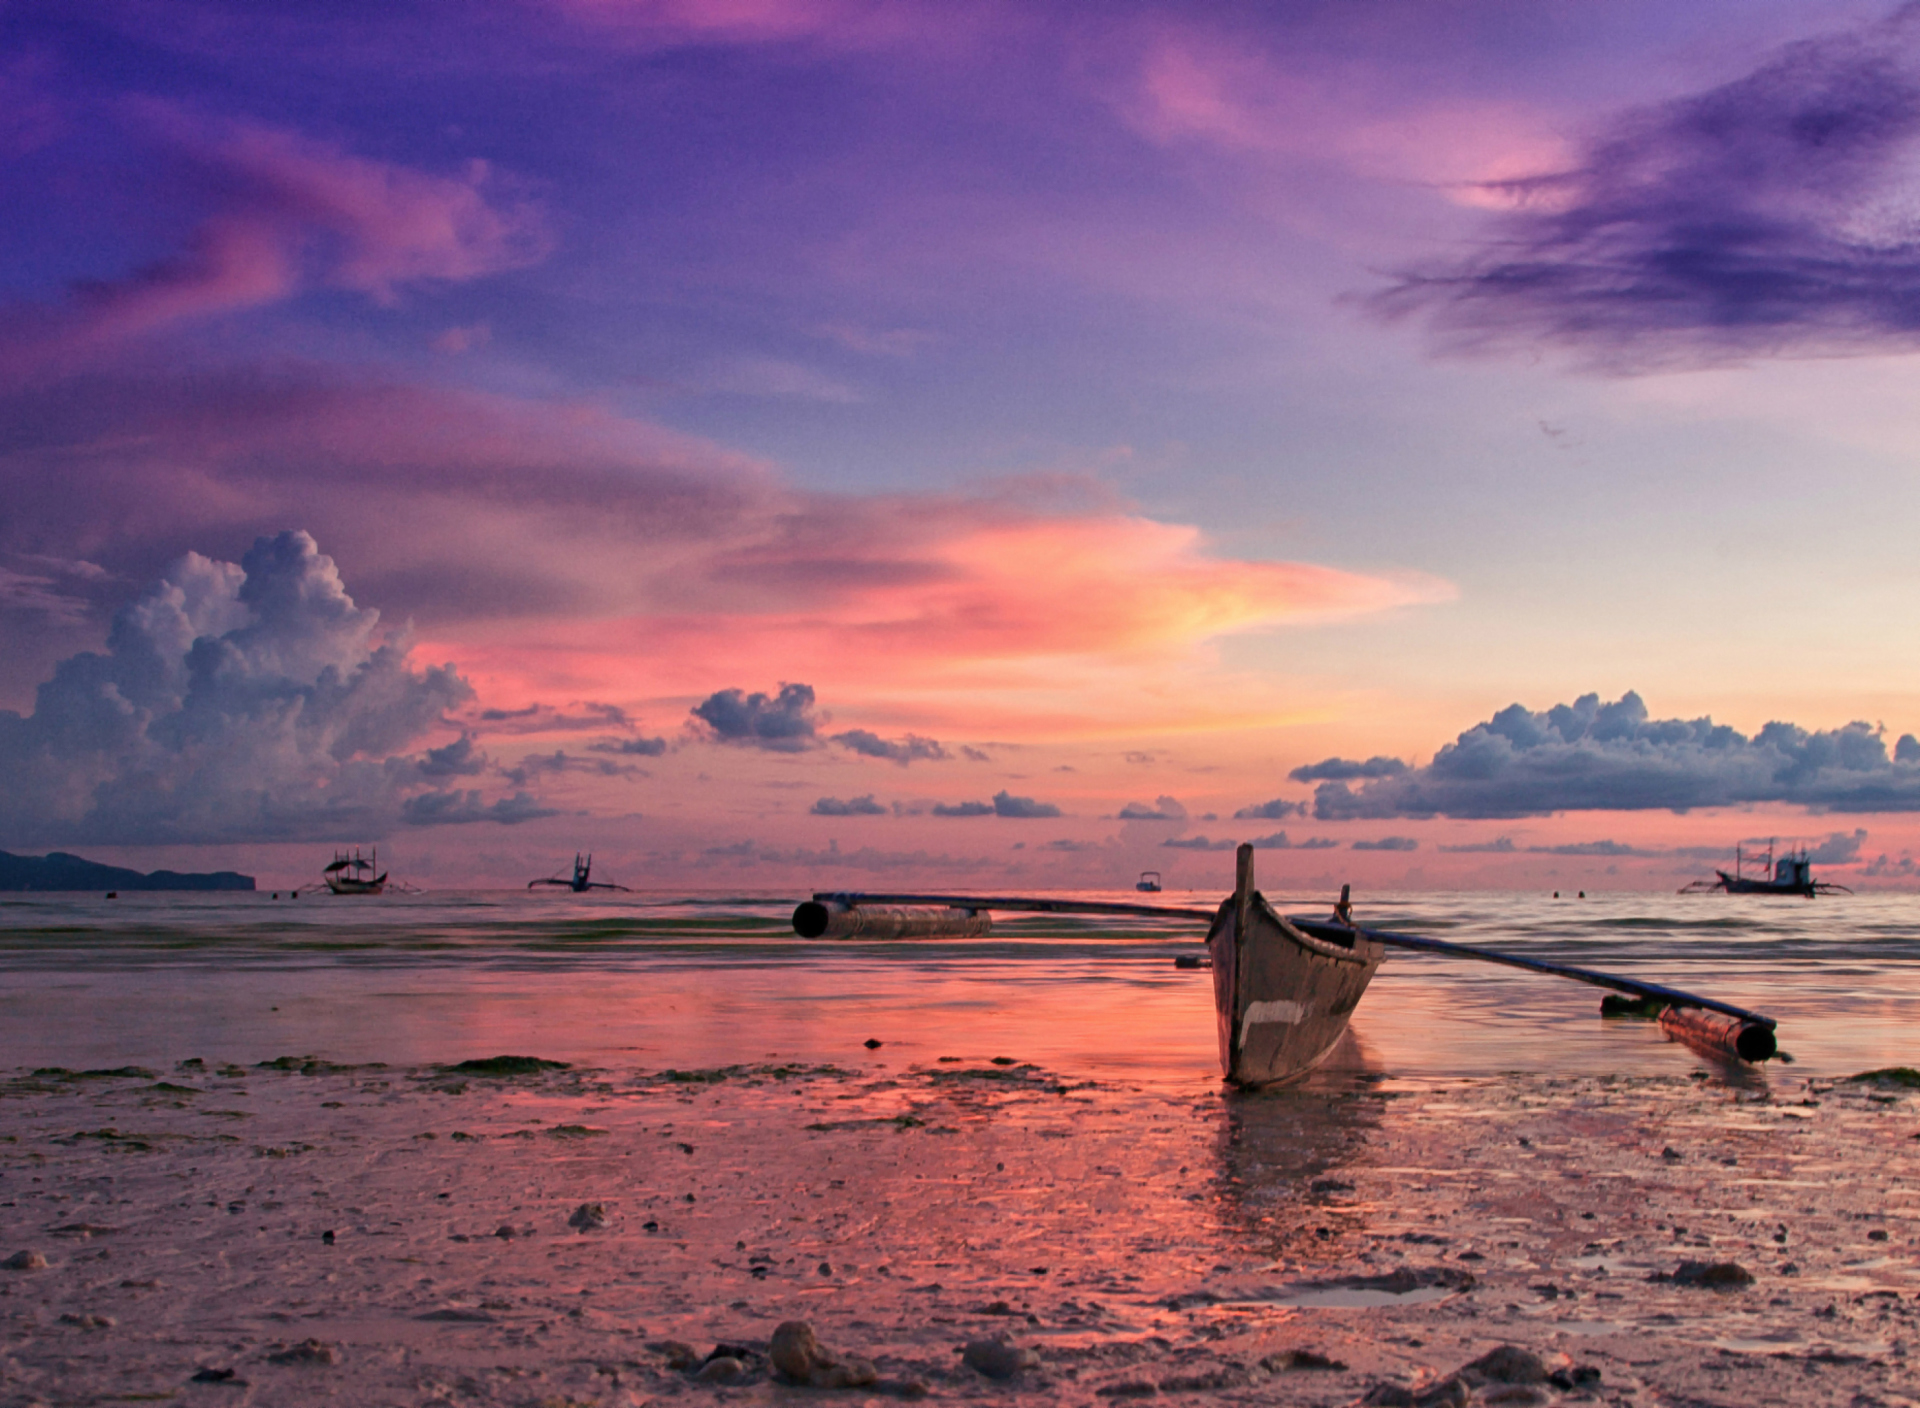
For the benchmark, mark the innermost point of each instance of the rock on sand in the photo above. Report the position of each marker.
(998, 1359)
(799, 1358)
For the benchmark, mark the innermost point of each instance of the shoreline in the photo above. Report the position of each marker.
(1141, 1242)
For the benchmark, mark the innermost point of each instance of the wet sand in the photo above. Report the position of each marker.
(1355, 1238)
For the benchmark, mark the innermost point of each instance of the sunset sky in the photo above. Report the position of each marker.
(809, 443)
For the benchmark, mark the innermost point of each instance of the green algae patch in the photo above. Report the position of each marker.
(502, 1066)
(1888, 1075)
(314, 1066)
(574, 1131)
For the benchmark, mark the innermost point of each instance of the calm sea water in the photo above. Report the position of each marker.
(661, 980)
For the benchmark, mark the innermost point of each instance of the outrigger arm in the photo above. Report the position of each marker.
(1749, 1035)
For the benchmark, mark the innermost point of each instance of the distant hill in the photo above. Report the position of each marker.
(60, 871)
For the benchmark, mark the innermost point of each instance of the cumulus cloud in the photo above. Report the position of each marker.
(853, 806)
(238, 701)
(1003, 804)
(866, 858)
(901, 751)
(1609, 849)
(578, 717)
(559, 761)
(1276, 810)
(458, 807)
(782, 723)
(963, 809)
(1839, 847)
(1773, 214)
(1199, 843)
(1277, 841)
(1590, 756)
(1163, 809)
(1022, 808)
(629, 747)
(1342, 770)
(457, 759)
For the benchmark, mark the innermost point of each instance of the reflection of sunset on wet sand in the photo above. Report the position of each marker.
(336, 1233)
(1037, 1148)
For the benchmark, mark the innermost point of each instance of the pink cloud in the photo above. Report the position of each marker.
(280, 214)
(842, 23)
(1192, 84)
(563, 551)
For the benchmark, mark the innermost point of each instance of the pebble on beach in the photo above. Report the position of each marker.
(798, 1357)
(306, 1352)
(998, 1359)
(722, 1369)
(588, 1217)
(1716, 1275)
(26, 1261)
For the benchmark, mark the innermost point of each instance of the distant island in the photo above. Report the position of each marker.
(60, 871)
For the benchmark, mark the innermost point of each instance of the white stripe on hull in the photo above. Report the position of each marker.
(1259, 1014)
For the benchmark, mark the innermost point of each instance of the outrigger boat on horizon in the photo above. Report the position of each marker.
(1792, 874)
(582, 880)
(1284, 986)
(355, 874)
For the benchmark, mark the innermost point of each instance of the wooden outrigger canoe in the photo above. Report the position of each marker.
(1281, 995)
(1284, 986)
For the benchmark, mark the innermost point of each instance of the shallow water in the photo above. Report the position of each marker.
(677, 980)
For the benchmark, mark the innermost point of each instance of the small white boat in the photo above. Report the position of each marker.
(1148, 883)
(1282, 996)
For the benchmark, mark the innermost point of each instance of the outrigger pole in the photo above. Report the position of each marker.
(1749, 1035)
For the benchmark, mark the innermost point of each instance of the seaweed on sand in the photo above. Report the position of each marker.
(507, 1066)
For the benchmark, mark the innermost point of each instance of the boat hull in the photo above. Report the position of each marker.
(345, 885)
(1282, 998)
(1740, 885)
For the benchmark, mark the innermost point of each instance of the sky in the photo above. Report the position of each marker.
(823, 444)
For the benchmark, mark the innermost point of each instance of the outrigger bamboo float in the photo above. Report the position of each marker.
(1284, 986)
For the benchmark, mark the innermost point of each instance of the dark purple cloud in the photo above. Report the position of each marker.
(462, 807)
(1388, 843)
(1590, 756)
(1163, 809)
(1022, 808)
(781, 723)
(1770, 215)
(905, 750)
(629, 747)
(458, 759)
(963, 809)
(1004, 804)
(1278, 841)
(537, 765)
(1279, 809)
(854, 806)
(1343, 770)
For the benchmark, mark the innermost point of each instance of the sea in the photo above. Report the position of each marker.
(704, 980)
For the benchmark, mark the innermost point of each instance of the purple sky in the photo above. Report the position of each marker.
(1091, 407)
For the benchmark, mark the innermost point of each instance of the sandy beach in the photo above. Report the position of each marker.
(303, 1232)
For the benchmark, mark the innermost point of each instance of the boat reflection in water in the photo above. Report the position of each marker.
(1282, 1151)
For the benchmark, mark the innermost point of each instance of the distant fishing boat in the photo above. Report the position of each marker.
(1282, 996)
(1791, 874)
(582, 880)
(355, 874)
(1148, 883)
